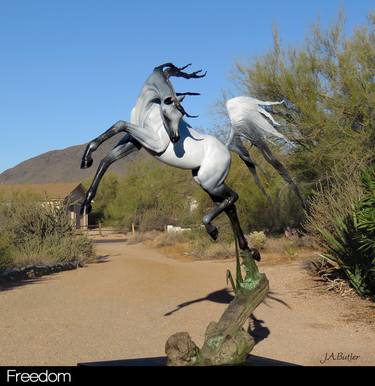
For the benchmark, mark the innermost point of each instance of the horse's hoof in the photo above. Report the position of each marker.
(212, 231)
(255, 254)
(86, 162)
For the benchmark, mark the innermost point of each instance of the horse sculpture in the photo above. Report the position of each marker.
(157, 125)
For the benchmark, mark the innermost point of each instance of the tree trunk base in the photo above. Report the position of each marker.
(226, 342)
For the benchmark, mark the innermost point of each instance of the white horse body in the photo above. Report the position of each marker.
(157, 125)
(193, 151)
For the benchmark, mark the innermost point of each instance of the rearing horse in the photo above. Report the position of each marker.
(158, 126)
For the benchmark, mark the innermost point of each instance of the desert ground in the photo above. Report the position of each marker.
(128, 303)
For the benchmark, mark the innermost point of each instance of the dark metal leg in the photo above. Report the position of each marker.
(231, 212)
(238, 233)
(118, 127)
(238, 147)
(270, 158)
(125, 147)
(223, 196)
(225, 199)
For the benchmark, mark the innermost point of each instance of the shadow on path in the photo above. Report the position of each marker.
(257, 329)
(223, 296)
(8, 284)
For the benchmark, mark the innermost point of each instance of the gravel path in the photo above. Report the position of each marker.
(128, 305)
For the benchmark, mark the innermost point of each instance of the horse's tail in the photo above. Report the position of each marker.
(251, 121)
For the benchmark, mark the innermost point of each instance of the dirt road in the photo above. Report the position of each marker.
(128, 305)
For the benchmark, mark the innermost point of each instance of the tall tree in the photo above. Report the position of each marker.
(328, 84)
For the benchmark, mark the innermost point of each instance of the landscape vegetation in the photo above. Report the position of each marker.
(328, 86)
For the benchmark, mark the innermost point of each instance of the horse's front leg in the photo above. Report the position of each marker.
(94, 144)
(143, 136)
(125, 147)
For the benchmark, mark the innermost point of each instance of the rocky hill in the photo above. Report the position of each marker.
(63, 165)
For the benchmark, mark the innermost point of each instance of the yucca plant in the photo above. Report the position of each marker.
(349, 239)
(365, 218)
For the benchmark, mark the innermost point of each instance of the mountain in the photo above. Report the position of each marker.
(64, 165)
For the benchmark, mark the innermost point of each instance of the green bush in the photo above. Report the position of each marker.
(258, 239)
(347, 230)
(38, 232)
(5, 246)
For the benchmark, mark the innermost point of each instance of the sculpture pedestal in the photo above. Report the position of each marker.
(226, 342)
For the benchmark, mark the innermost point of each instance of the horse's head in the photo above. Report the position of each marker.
(171, 115)
(170, 102)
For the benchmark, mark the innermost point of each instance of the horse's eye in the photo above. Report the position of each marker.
(168, 101)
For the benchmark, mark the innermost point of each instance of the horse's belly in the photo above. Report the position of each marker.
(184, 155)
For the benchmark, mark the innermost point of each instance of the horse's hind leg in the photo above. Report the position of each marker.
(225, 199)
(238, 233)
(125, 147)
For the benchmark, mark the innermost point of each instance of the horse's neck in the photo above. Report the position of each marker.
(148, 115)
(143, 106)
(139, 110)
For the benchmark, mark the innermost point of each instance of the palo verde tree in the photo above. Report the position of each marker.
(328, 84)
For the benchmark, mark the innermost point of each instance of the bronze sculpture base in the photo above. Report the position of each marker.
(226, 342)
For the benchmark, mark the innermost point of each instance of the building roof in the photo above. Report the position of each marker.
(57, 191)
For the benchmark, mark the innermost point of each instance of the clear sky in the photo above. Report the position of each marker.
(71, 68)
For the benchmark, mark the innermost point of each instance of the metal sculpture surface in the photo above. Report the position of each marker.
(157, 125)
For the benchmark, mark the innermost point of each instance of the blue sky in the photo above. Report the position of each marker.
(71, 68)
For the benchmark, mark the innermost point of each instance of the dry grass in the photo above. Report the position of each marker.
(140, 237)
(35, 233)
(196, 244)
(258, 240)
(335, 201)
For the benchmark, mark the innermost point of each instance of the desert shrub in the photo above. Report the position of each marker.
(211, 250)
(25, 219)
(165, 239)
(36, 232)
(365, 213)
(258, 239)
(5, 246)
(342, 220)
(281, 246)
(139, 237)
(202, 247)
